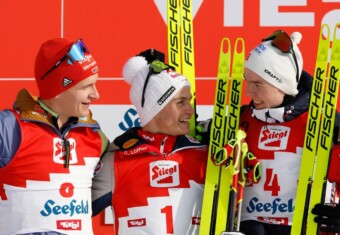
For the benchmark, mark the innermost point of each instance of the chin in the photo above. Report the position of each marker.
(84, 113)
(186, 131)
(260, 106)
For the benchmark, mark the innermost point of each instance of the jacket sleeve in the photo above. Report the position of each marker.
(10, 137)
(103, 184)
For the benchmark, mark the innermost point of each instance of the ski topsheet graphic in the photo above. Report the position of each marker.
(224, 128)
(181, 45)
(318, 137)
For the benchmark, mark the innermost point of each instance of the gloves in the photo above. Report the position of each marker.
(328, 216)
(203, 131)
(152, 55)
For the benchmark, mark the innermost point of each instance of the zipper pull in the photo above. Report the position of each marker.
(67, 153)
(161, 147)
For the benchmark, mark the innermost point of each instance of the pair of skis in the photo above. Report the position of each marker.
(218, 185)
(181, 45)
(221, 189)
(181, 56)
(319, 130)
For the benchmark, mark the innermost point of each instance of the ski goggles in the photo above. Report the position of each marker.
(156, 67)
(74, 54)
(281, 40)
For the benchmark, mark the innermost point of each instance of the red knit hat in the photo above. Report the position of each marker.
(53, 77)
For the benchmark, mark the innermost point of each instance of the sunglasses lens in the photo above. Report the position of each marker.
(281, 40)
(76, 53)
(283, 43)
(158, 66)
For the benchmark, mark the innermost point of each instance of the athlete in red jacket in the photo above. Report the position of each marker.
(50, 146)
(154, 179)
(275, 122)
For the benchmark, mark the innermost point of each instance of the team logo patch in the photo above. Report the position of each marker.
(130, 143)
(274, 137)
(164, 174)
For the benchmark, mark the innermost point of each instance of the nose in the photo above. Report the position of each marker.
(249, 89)
(190, 109)
(94, 94)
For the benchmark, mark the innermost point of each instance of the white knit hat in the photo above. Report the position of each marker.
(161, 88)
(276, 67)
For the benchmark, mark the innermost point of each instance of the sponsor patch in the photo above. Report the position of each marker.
(274, 220)
(166, 95)
(164, 174)
(69, 224)
(192, 140)
(196, 220)
(136, 222)
(59, 151)
(66, 82)
(130, 143)
(274, 137)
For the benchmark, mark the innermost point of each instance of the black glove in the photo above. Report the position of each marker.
(328, 216)
(151, 55)
(203, 131)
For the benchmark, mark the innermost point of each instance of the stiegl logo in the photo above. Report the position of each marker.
(274, 137)
(164, 174)
(59, 151)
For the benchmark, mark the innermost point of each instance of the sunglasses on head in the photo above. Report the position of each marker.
(75, 53)
(281, 40)
(155, 67)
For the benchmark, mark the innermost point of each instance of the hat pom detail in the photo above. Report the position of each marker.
(296, 37)
(132, 67)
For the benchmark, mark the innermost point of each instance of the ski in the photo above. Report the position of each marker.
(211, 186)
(301, 207)
(326, 132)
(318, 136)
(181, 46)
(229, 178)
(174, 37)
(224, 126)
(188, 58)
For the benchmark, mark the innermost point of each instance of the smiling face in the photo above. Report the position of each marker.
(174, 118)
(75, 102)
(263, 94)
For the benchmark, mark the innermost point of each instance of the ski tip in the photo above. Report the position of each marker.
(325, 32)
